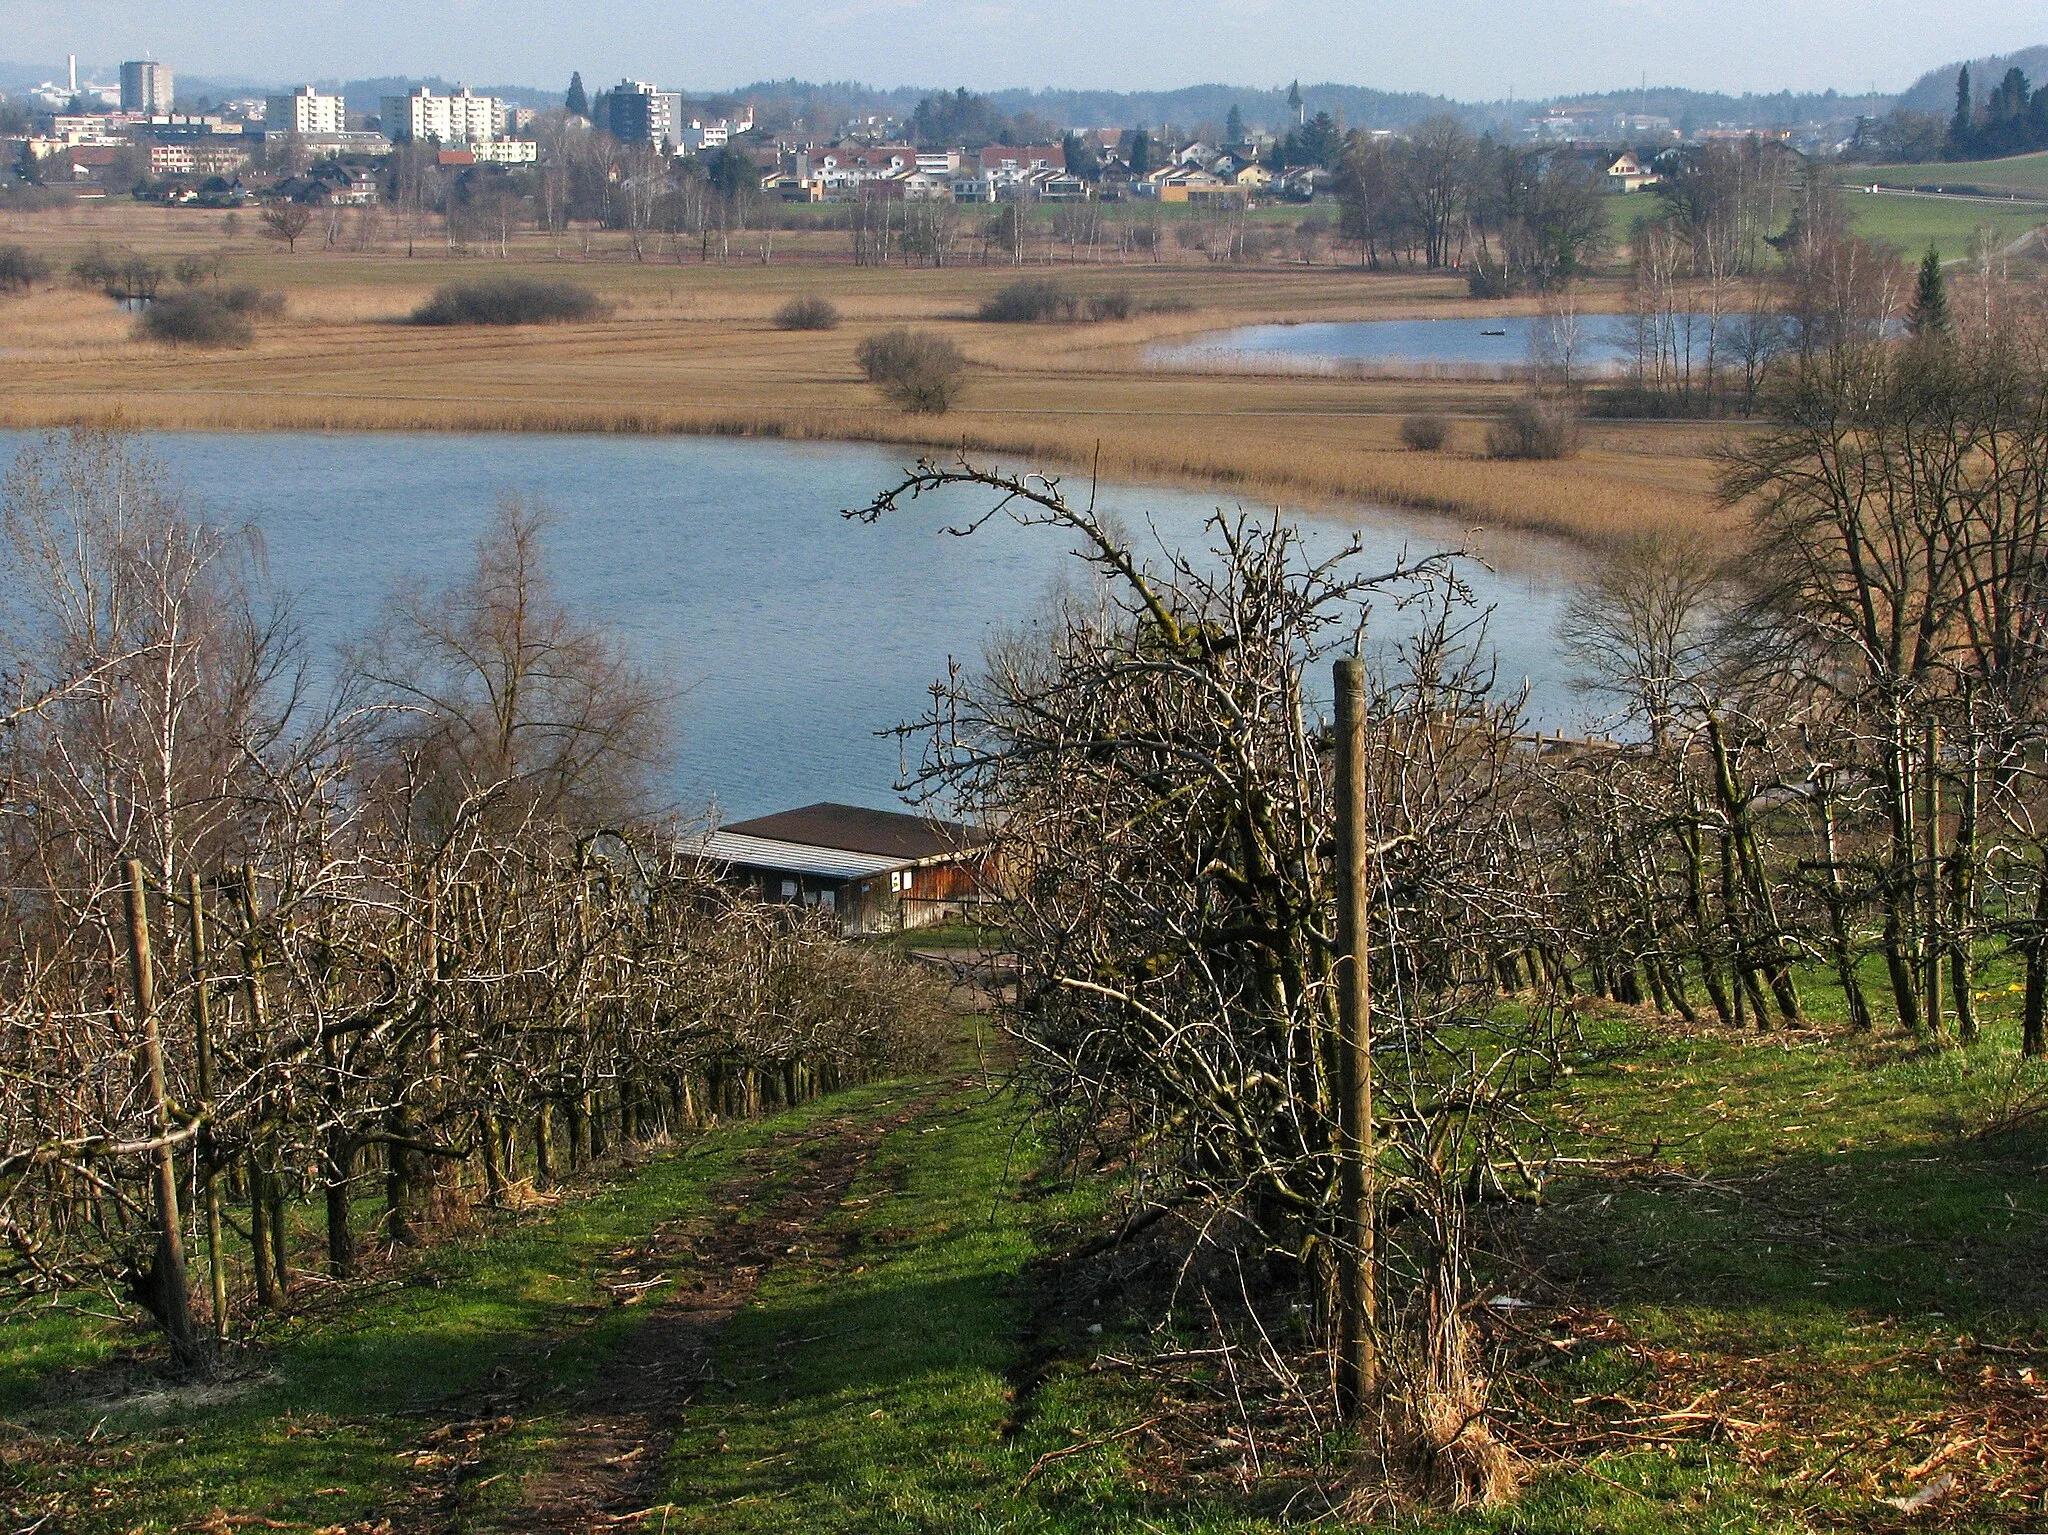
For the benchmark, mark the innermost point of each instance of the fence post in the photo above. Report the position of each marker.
(209, 1161)
(1358, 1353)
(1930, 816)
(168, 1279)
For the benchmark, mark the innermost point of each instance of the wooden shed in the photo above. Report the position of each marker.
(879, 871)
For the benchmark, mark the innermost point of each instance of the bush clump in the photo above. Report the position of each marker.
(810, 312)
(1028, 300)
(21, 270)
(508, 301)
(198, 318)
(1425, 434)
(923, 373)
(1534, 429)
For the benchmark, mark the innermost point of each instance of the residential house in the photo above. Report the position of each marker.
(1628, 174)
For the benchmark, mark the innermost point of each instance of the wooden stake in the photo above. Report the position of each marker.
(1930, 819)
(209, 1164)
(169, 1277)
(1358, 1352)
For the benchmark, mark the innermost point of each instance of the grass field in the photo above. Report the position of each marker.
(1778, 1280)
(2019, 173)
(1948, 224)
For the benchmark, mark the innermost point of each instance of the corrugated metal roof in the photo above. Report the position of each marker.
(788, 857)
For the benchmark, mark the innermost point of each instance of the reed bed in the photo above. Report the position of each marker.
(693, 349)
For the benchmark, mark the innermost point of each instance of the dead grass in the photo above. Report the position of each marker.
(692, 347)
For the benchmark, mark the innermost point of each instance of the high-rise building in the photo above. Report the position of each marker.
(146, 87)
(305, 110)
(458, 119)
(637, 113)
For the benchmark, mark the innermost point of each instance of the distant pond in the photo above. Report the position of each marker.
(790, 635)
(1489, 347)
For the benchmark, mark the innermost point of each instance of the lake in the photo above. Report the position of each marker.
(1460, 344)
(791, 635)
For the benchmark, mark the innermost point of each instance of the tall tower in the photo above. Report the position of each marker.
(146, 87)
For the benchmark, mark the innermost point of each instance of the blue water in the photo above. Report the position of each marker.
(1457, 342)
(791, 635)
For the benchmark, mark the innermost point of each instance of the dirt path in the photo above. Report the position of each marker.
(604, 1466)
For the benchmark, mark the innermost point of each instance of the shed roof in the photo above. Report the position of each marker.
(853, 828)
(733, 848)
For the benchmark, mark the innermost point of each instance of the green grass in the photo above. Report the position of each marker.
(311, 1431)
(1911, 223)
(2017, 173)
(1801, 1229)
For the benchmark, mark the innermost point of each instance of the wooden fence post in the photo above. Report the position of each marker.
(168, 1277)
(209, 1162)
(1358, 1344)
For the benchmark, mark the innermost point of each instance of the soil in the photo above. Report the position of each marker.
(604, 1466)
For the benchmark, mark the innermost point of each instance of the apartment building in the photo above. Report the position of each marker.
(146, 87)
(462, 118)
(638, 112)
(304, 111)
(191, 159)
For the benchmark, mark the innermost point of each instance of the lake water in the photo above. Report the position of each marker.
(791, 635)
(1461, 344)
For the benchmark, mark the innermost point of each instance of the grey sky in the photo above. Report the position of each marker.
(1464, 48)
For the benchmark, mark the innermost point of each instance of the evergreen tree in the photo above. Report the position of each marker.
(577, 104)
(1959, 125)
(1929, 316)
(1233, 126)
(1138, 153)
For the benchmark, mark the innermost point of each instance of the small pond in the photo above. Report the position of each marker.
(1480, 345)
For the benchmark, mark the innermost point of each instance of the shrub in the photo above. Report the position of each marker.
(1534, 429)
(508, 301)
(1117, 304)
(194, 318)
(809, 312)
(920, 372)
(1028, 300)
(20, 270)
(1425, 434)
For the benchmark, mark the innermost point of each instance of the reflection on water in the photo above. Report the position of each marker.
(791, 635)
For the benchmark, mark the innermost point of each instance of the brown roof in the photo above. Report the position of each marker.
(884, 833)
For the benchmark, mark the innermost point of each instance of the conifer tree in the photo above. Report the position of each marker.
(1233, 127)
(577, 104)
(1959, 125)
(1929, 316)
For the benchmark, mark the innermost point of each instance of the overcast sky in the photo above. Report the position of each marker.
(1473, 49)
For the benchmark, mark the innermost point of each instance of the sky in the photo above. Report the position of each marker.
(1469, 49)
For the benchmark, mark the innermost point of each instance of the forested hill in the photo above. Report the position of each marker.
(1935, 91)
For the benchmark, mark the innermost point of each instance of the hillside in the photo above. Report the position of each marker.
(1935, 91)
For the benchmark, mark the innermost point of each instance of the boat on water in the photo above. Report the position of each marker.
(1493, 333)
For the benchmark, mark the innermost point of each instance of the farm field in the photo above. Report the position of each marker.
(1764, 1327)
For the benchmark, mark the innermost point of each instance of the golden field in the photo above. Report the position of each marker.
(689, 346)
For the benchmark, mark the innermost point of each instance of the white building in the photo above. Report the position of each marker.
(305, 110)
(458, 119)
(506, 152)
(146, 87)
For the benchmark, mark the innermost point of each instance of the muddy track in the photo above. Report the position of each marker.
(604, 1465)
